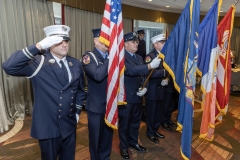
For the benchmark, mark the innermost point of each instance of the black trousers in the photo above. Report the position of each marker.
(100, 137)
(129, 119)
(58, 148)
(170, 101)
(153, 115)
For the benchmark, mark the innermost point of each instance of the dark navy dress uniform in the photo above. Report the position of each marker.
(130, 115)
(100, 135)
(56, 102)
(154, 96)
(141, 46)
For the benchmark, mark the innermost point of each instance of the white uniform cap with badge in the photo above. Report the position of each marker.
(157, 38)
(57, 30)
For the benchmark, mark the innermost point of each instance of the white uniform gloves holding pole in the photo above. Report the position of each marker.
(141, 91)
(154, 64)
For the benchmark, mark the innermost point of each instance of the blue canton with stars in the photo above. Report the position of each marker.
(116, 8)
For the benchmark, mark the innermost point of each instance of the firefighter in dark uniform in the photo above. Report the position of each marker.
(142, 44)
(95, 65)
(155, 94)
(58, 86)
(130, 115)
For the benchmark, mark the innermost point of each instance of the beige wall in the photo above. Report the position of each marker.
(130, 12)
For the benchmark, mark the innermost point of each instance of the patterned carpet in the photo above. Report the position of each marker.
(226, 144)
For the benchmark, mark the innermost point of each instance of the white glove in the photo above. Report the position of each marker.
(155, 62)
(77, 117)
(164, 82)
(140, 93)
(50, 41)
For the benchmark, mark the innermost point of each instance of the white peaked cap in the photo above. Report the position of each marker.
(60, 30)
(157, 38)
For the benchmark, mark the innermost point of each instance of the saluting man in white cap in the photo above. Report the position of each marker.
(58, 85)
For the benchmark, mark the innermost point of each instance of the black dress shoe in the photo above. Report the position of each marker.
(159, 135)
(153, 139)
(139, 148)
(172, 124)
(124, 154)
(166, 126)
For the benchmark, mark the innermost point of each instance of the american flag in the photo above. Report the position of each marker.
(112, 35)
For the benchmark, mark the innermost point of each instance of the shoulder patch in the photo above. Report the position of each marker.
(148, 59)
(86, 59)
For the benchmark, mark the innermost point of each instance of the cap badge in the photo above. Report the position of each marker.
(64, 28)
(51, 61)
(135, 34)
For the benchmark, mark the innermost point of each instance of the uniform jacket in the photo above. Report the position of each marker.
(141, 48)
(55, 103)
(96, 73)
(134, 77)
(155, 89)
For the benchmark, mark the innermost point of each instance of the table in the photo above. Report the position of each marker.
(235, 80)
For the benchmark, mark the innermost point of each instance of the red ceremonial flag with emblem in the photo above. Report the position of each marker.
(224, 64)
(112, 35)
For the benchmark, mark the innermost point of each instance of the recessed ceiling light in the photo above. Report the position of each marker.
(150, 0)
(167, 6)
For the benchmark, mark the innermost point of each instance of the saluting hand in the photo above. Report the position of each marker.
(49, 41)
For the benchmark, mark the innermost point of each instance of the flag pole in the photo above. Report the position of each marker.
(236, 2)
(149, 75)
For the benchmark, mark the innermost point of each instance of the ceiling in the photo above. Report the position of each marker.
(178, 5)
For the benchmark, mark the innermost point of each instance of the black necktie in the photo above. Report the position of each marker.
(134, 56)
(64, 71)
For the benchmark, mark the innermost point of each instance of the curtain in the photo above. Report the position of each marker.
(81, 23)
(3, 117)
(22, 23)
(235, 42)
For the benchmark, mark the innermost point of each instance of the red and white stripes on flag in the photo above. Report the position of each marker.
(112, 35)
(224, 64)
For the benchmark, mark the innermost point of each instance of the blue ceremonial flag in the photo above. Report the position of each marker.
(180, 54)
